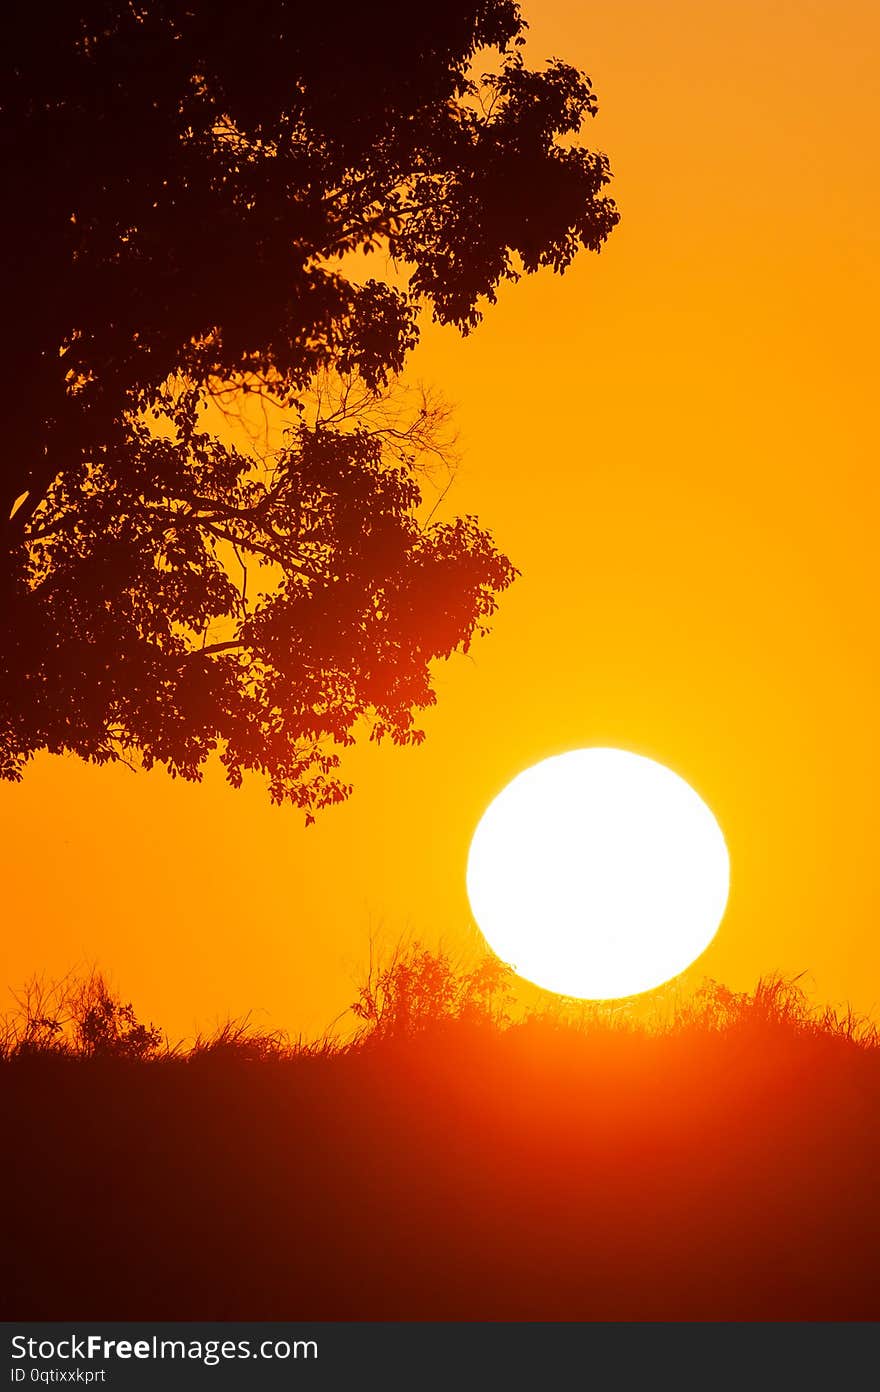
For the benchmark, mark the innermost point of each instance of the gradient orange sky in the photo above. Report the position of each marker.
(675, 443)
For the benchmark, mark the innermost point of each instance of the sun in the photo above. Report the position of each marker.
(598, 873)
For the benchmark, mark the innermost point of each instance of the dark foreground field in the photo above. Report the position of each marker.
(726, 1168)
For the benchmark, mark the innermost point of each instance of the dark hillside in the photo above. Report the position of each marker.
(723, 1168)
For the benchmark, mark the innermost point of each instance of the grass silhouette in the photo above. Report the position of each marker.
(450, 1159)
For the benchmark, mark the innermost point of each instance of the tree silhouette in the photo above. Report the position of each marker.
(195, 190)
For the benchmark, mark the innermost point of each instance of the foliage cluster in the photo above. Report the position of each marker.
(197, 196)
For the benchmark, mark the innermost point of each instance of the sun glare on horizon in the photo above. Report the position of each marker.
(598, 874)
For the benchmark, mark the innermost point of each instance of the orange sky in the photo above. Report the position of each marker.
(674, 443)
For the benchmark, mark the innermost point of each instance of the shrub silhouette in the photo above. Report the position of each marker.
(107, 1028)
(418, 989)
(81, 1018)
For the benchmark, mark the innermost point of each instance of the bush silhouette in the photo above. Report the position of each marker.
(82, 1018)
(418, 989)
(108, 1028)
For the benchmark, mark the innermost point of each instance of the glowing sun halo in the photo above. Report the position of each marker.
(598, 873)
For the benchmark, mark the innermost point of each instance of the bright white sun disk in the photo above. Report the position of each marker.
(598, 874)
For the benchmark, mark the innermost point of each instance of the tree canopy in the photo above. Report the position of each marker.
(194, 191)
